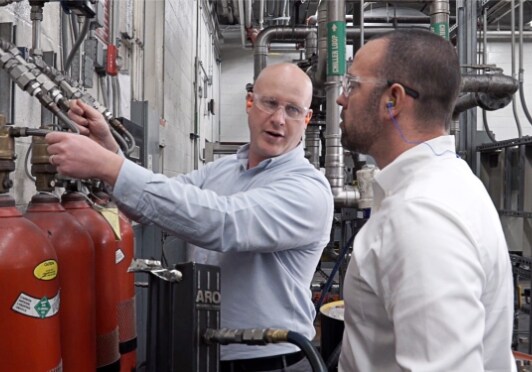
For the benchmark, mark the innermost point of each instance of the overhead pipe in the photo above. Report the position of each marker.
(278, 34)
(344, 196)
(490, 92)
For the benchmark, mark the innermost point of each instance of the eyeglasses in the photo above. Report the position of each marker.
(350, 82)
(270, 105)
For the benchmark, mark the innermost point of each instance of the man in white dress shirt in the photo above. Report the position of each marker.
(429, 284)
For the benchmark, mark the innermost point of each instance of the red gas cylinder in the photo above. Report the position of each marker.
(75, 254)
(126, 286)
(126, 297)
(103, 237)
(29, 300)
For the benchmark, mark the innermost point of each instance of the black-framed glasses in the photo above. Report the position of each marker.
(270, 105)
(350, 82)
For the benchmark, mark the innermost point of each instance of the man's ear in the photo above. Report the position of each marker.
(249, 101)
(307, 118)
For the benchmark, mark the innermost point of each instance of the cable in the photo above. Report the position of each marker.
(396, 125)
(328, 283)
(26, 170)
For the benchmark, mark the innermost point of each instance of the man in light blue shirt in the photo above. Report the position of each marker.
(263, 215)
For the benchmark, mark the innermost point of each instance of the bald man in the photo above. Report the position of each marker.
(262, 215)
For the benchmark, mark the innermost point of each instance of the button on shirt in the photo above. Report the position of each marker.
(429, 285)
(264, 227)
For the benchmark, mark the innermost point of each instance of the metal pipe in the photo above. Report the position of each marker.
(321, 69)
(521, 69)
(496, 84)
(241, 21)
(344, 196)
(361, 23)
(249, 12)
(36, 16)
(261, 15)
(439, 18)
(276, 33)
(514, 103)
(311, 44)
(312, 145)
(78, 43)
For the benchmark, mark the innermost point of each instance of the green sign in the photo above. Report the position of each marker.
(43, 307)
(336, 48)
(440, 28)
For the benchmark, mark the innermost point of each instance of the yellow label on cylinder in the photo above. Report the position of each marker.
(46, 270)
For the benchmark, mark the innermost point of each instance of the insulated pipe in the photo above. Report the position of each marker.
(344, 196)
(276, 33)
(439, 18)
(311, 44)
(490, 92)
(361, 23)
(321, 72)
(496, 84)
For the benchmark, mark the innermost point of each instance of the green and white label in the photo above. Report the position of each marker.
(119, 256)
(336, 48)
(37, 307)
(440, 28)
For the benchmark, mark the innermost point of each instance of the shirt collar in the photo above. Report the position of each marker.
(243, 156)
(389, 178)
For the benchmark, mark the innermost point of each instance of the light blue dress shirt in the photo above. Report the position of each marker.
(264, 227)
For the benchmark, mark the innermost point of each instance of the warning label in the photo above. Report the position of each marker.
(36, 307)
(46, 270)
(119, 256)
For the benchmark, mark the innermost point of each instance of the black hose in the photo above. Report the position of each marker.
(486, 127)
(314, 358)
(334, 358)
(523, 102)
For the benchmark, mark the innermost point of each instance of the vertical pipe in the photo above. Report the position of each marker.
(312, 145)
(521, 69)
(241, 20)
(261, 15)
(439, 18)
(514, 102)
(334, 157)
(461, 40)
(249, 11)
(361, 23)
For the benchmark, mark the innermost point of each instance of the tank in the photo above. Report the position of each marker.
(126, 296)
(75, 254)
(106, 283)
(29, 304)
(126, 285)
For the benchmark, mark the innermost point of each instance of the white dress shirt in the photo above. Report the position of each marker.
(429, 285)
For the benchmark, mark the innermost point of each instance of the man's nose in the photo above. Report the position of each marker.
(279, 115)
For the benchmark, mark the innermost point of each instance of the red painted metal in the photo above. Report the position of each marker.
(29, 300)
(75, 253)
